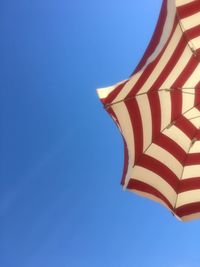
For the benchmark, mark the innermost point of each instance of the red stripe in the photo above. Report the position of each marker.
(168, 68)
(150, 68)
(181, 122)
(172, 147)
(176, 96)
(114, 93)
(197, 95)
(188, 9)
(146, 73)
(197, 136)
(176, 105)
(197, 54)
(143, 187)
(189, 184)
(186, 73)
(126, 160)
(152, 46)
(154, 103)
(160, 169)
(193, 159)
(193, 32)
(186, 127)
(188, 209)
(113, 116)
(136, 121)
(155, 38)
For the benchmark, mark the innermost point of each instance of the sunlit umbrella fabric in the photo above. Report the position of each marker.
(158, 113)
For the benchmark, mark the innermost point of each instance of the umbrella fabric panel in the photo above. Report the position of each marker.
(158, 113)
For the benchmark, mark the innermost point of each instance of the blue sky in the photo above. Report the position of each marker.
(61, 156)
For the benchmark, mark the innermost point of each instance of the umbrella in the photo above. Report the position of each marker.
(157, 110)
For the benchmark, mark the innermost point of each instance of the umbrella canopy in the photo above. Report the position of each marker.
(158, 113)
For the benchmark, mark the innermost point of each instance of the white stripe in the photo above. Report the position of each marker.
(128, 87)
(183, 2)
(195, 148)
(146, 176)
(163, 61)
(178, 68)
(188, 99)
(191, 171)
(194, 112)
(188, 197)
(191, 21)
(196, 122)
(178, 137)
(165, 158)
(128, 175)
(104, 92)
(190, 217)
(196, 42)
(127, 131)
(171, 9)
(165, 104)
(145, 112)
(193, 79)
(194, 116)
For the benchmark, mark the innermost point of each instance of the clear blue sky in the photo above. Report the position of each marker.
(61, 156)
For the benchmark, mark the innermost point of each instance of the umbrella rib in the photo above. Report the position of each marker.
(186, 156)
(153, 91)
(161, 126)
(194, 118)
(167, 127)
(189, 44)
(191, 47)
(172, 123)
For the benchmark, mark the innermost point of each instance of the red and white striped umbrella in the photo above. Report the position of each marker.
(158, 113)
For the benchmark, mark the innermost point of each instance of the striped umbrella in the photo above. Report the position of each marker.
(158, 113)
